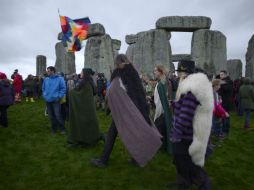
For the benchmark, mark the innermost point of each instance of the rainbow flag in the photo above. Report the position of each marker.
(74, 32)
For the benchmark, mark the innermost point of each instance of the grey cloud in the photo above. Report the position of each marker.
(30, 27)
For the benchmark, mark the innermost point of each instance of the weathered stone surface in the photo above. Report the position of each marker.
(171, 68)
(183, 23)
(99, 54)
(130, 52)
(65, 61)
(131, 39)
(249, 68)
(60, 36)
(209, 51)
(96, 29)
(180, 57)
(234, 68)
(116, 45)
(41, 65)
(151, 48)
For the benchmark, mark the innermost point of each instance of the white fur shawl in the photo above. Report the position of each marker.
(199, 85)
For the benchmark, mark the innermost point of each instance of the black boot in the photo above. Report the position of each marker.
(98, 163)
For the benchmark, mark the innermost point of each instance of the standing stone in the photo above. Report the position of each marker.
(249, 68)
(234, 68)
(96, 29)
(131, 39)
(116, 45)
(41, 64)
(180, 57)
(172, 68)
(209, 51)
(65, 61)
(99, 54)
(177, 58)
(184, 23)
(150, 49)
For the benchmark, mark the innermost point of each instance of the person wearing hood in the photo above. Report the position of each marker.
(83, 120)
(53, 90)
(6, 98)
(130, 117)
(246, 94)
(193, 111)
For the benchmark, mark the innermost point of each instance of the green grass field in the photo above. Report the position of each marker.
(32, 158)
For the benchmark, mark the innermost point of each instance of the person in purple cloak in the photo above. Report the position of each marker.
(130, 117)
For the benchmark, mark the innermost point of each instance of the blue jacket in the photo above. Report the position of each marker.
(6, 93)
(53, 88)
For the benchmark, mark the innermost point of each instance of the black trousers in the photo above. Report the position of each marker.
(226, 125)
(109, 144)
(29, 94)
(3, 116)
(161, 126)
(187, 172)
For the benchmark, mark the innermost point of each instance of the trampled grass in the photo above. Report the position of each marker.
(32, 158)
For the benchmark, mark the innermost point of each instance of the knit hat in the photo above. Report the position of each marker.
(3, 76)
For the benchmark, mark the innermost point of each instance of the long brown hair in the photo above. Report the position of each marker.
(121, 59)
(163, 71)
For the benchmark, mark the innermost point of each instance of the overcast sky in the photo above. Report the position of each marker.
(30, 27)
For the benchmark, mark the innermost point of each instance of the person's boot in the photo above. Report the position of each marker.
(32, 99)
(206, 185)
(246, 126)
(103, 138)
(98, 163)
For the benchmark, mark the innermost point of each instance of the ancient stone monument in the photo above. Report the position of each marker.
(100, 50)
(177, 58)
(249, 68)
(180, 57)
(116, 45)
(96, 29)
(183, 23)
(65, 61)
(208, 50)
(149, 48)
(41, 64)
(234, 68)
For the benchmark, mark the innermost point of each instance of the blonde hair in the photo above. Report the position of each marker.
(163, 71)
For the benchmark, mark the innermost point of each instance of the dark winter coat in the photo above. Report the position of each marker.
(246, 94)
(226, 93)
(6, 93)
(29, 84)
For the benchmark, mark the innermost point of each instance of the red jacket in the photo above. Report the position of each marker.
(17, 83)
(219, 111)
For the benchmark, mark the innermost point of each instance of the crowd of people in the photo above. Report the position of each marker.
(181, 114)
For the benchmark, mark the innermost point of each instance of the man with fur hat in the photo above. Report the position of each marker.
(193, 110)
